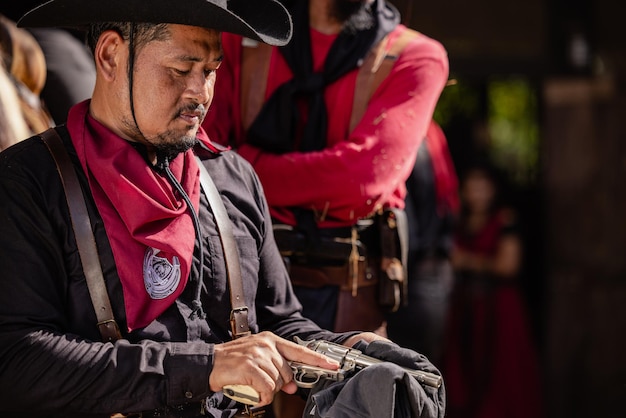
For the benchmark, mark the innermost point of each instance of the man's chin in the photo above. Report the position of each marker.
(189, 130)
(172, 148)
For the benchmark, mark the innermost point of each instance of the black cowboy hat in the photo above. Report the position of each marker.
(263, 20)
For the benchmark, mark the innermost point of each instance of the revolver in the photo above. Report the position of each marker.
(350, 360)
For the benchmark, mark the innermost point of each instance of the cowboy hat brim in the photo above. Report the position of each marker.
(262, 20)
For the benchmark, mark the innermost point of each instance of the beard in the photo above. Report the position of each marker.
(168, 146)
(170, 143)
(355, 15)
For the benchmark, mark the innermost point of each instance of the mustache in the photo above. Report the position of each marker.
(197, 109)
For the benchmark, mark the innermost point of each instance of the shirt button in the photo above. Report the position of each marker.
(188, 395)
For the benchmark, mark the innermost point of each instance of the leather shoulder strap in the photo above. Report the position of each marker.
(239, 313)
(375, 69)
(85, 240)
(255, 64)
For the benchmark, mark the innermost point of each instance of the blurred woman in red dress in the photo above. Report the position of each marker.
(490, 365)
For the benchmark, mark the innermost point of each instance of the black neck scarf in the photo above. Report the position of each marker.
(274, 129)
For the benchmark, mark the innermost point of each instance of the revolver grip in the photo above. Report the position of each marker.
(242, 393)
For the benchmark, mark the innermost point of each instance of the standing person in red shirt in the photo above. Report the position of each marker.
(331, 123)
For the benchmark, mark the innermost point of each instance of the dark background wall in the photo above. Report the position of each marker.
(573, 56)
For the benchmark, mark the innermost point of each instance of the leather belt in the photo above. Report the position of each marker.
(329, 246)
(319, 276)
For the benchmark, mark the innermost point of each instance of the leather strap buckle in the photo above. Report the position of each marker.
(239, 322)
(109, 330)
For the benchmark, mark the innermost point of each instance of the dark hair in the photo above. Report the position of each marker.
(496, 176)
(143, 33)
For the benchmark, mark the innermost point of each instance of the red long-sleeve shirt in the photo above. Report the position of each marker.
(358, 171)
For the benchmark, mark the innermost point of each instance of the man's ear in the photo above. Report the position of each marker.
(109, 54)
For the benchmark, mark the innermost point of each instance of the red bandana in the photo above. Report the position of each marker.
(148, 225)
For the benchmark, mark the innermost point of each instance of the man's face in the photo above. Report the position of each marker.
(173, 88)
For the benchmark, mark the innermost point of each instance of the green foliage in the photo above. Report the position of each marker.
(510, 113)
(457, 99)
(513, 127)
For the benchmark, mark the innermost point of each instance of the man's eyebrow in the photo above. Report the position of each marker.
(197, 59)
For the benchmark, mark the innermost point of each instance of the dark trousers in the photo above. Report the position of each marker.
(420, 325)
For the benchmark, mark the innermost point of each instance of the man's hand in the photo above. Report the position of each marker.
(366, 336)
(261, 362)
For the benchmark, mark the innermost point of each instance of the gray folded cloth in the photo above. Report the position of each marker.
(383, 390)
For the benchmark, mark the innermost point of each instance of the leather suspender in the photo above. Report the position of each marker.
(88, 252)
(255, 66)
(375, 68)
(85, 240)
(239, 313)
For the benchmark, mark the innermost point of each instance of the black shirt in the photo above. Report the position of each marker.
(51, 358)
